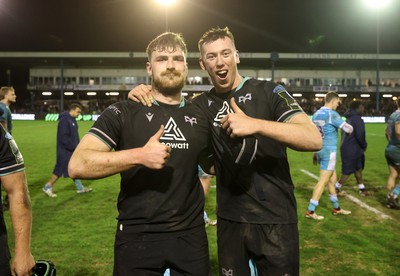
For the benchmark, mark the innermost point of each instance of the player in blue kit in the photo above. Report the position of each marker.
(392, 153)
(156, 151)
(328, 122)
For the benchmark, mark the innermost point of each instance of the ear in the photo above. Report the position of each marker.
(149, 69)
(201, 62)
(237, 57)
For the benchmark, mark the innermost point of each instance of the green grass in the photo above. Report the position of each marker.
(77, 231)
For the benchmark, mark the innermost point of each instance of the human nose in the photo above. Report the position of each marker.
(170, 63)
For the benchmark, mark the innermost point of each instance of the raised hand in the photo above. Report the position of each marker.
(141, 94)
(237, 123)
(156, 153)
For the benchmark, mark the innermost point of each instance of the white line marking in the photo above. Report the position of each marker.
(353, 199)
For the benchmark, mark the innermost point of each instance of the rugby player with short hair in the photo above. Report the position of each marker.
(328, 122)
(257, 212)
(392, 153)
(156, 150)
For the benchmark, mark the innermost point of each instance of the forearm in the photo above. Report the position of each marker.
(302, 136)
(21, 216)
(92, 164)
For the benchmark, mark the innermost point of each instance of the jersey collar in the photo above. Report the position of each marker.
(182, 103)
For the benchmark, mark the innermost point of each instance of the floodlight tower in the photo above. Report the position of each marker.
(378, 6)
(166, 4)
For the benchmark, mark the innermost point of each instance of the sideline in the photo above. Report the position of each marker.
(353, 199)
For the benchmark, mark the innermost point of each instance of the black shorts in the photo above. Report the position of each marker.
(274, 249)
(183, 255)
(4, 250)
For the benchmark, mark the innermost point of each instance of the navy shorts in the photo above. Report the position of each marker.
(273, 248)
(182, 255)
(351, 166)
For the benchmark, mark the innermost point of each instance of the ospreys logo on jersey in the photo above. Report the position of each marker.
(174, 136)
(243, 99)
(225, 109)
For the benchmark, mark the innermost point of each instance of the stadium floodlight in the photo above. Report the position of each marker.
(377, 5)
(46, 93)
(91, 93)
(319, 95)
(387, 95)
(343, 95)
(365, 95)
(68, 93)
(297, 95)
(166, 4)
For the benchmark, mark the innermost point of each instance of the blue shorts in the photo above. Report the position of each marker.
(327, 158)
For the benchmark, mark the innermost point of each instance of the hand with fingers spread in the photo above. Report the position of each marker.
(238, 124)
(141, 94)
(156, 154)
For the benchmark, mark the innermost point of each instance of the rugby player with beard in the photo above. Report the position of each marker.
(160, 223)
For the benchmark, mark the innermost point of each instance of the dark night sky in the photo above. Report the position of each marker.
(345, 26)
(285, 26)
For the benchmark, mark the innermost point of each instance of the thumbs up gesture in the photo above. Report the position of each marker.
(237, 124)
(156, 153)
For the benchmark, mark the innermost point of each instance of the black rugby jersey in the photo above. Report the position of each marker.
(11, 159)
(166, 200)
(262, 192)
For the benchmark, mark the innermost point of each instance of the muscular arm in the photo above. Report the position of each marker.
(93, 159)
(21, 217)
(298, 133)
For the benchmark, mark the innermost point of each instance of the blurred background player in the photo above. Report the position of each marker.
(352, 149)
(205, 180)
(67, 141)
(328, 122)
(392, 153)
(7, 97)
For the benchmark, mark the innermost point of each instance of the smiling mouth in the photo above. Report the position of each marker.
(222, 74)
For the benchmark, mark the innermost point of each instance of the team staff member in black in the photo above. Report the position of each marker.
(256, 203)
(157, 150)
(12, 175)
(257, 217)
